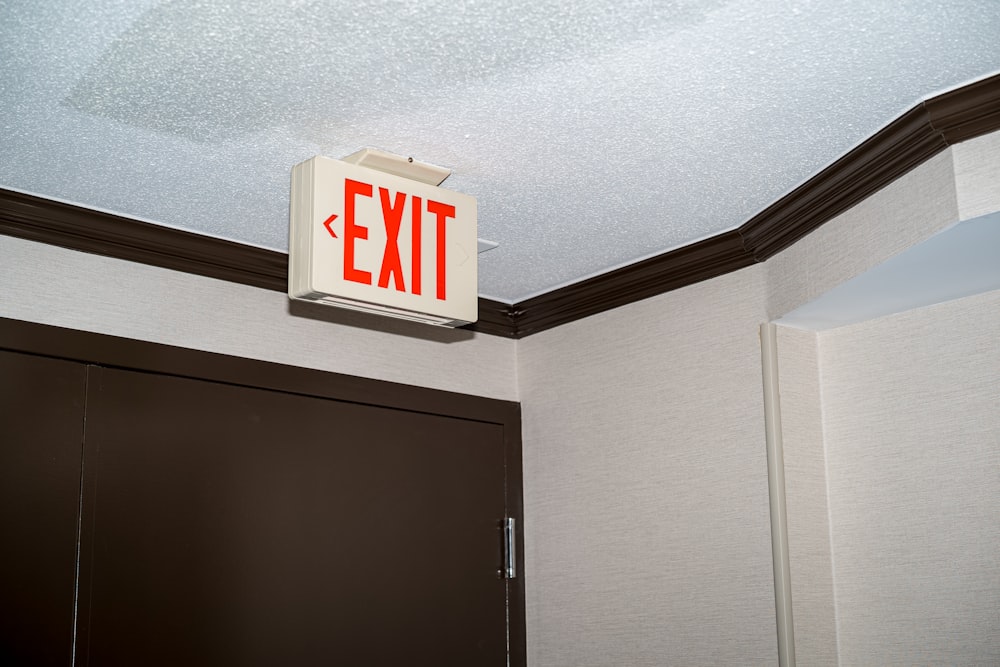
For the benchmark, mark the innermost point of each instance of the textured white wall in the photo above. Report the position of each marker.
(977, 175)
(647, 534)
(647, 528)
(813, 607)
(911, 407)
(957, 184)
(50, 285)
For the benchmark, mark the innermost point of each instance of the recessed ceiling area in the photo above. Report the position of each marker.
(593, 134)
(960, 261)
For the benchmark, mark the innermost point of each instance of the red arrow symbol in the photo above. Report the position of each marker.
(327, 224)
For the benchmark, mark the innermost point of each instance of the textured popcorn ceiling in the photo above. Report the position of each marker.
(593, 133)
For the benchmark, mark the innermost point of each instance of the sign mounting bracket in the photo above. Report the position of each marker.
(399, 165)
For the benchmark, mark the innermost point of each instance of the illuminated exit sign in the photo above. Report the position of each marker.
(367, 239)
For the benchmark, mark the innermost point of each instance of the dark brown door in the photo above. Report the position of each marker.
(240, 526)
(41, 440)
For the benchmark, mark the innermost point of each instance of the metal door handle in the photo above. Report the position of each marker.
(509, 549)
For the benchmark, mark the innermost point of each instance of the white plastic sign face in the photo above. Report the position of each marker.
(369, 240)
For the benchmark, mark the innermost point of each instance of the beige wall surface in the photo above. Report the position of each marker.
(50, 285)
(958, 184)
(911, 407)
(977, 175)
(813, 607)
(647, 536)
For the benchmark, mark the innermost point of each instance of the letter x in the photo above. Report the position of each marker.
(392, 215)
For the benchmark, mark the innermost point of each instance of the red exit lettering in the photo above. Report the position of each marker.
(392, 218)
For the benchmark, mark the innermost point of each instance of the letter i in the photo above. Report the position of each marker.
(417, 209)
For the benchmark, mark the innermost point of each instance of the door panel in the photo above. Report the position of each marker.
(41, 440)
(232, 525)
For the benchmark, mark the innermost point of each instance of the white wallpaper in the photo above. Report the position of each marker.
(50, 285)
(957, 184)
(647, 527)
(911, 407)
(813, 609)
(977, 175)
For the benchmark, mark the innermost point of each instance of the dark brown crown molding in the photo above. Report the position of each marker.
(904, 144)
(706, 259)
(967, 112)
(917, 135)
(495, 318)
(913, 138)
(56, 223)
(37, 219)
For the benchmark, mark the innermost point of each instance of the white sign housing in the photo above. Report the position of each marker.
(369, 240)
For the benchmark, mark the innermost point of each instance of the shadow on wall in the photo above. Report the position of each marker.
(359, 320)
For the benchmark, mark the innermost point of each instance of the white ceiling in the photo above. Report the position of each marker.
(593, 133)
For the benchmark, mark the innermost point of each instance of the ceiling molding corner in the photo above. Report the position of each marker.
(967, 112)
(904, 144)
